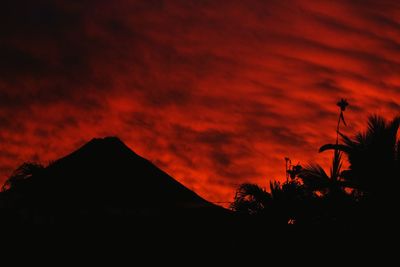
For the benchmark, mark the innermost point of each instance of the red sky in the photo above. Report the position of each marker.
(214, 92)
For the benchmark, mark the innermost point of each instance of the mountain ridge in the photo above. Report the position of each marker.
(106, 178)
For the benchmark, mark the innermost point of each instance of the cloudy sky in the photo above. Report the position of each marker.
(214, 92)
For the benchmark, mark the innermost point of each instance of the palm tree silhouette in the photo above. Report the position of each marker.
(286, 203)
(374, 156)
(314, 176)
(316, 179)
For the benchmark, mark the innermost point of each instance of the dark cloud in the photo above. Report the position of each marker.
(329, 85)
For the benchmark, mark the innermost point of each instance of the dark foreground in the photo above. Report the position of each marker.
(103, 201)
(228, 239)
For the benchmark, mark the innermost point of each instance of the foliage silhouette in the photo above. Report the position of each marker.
(315, 178)
(373, 156)
(349, 198)
(282, 205)
(251, 199)
(22, 173)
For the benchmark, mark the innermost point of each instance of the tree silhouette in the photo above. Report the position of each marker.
(286, 203)
(21, 174)
(373, 156)
(293, 203)
(315, 178)
(251, 199)
(336, 205)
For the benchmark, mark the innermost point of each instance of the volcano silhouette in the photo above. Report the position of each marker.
(103, 179)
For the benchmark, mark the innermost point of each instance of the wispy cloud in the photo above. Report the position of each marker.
(214, 92)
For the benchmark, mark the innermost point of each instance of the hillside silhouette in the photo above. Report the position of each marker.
(102, 181)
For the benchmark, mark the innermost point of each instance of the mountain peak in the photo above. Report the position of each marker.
(105, 174)
(110, 145)
(107, 139)
(111, 165)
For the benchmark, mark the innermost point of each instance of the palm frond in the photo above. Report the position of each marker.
(250, 199)
(372, 154)
(314, 177)
(340, 147)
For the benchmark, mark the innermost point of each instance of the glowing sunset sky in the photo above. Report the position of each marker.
(215, 92)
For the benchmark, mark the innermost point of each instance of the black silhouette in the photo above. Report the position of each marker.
(251, 199)
(373, 156)
(316, 179)
(102, 181)
(363, 196)
(286, 203)
(374, 168)
(314, 176)
(105, 184)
